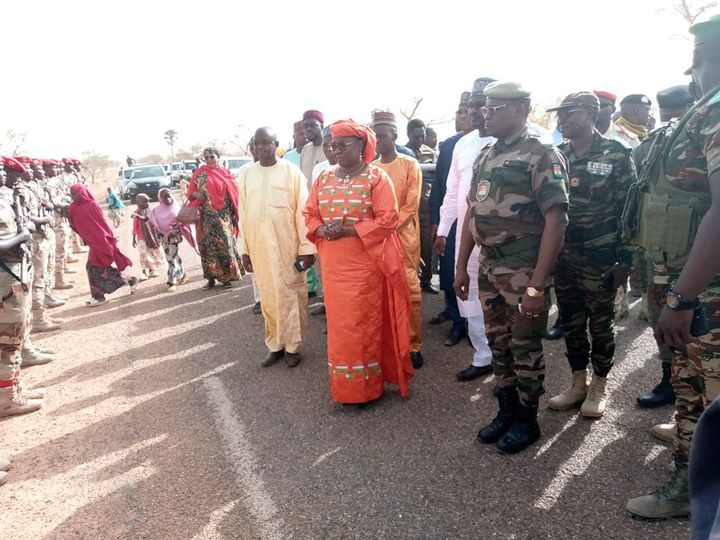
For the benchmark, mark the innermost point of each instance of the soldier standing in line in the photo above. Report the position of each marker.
(59, 201)
(673, 103)
(674, 214)
(593, 261)
(517, 215)
(15, 279)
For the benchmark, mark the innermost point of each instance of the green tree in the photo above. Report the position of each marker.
(170, 138)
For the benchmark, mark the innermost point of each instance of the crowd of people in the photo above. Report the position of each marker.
(613, 208)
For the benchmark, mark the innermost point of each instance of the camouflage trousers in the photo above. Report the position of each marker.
(515, 340)
(14, 309)
(656, 299)
(585, 306)
(50, 274)
(41, 249)
(62, 239)
(696, 374)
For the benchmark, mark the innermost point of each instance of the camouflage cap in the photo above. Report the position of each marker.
(479, 85)
(706, 30)
(579, 100)
(506, 90)
(675, 97)
(464, 98)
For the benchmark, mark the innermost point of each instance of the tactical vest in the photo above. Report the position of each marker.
(658, 217)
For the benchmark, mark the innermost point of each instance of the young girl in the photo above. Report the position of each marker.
(170, 233)
(145, 239)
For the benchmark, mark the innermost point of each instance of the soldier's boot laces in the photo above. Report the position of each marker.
(572, 396)
(508, 403)
(12, 402)
(596, 400)
(669, 501)
(524, 431)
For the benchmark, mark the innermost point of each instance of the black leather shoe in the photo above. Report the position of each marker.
(454, 338)
(273, 357)
(557, 331)
(428, 288)
(440, 318)
(257, 309)
(508, 401)
(292, 359)
(662, 394)
(473, 372)
(417, 359)
(524, 431)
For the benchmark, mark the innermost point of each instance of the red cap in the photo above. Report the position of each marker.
(24, 160)
(605, 94)
(14, 164)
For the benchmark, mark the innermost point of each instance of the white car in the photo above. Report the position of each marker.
(234, 164)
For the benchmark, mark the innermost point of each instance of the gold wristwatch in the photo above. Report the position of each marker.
(535, 293)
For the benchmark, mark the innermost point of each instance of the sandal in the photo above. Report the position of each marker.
(227, 285)
(93, 302)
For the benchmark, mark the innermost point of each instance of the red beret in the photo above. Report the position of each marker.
(314, 115)
(76, 162)
(605, 94)
(49, 163)
(24, 160)
(14, 164)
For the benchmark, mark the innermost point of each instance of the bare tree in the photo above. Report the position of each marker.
(691, 11)
(96, 164)
(13, 143)
(170, 138)
(409, 113)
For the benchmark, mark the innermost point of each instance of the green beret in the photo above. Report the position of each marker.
(706, 30)
(506, 90)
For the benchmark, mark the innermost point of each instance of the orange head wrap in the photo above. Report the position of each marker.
(348, 128)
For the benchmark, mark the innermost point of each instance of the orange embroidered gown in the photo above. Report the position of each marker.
(366, 294)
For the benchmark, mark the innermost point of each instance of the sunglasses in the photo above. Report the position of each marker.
(487, 110)
(209, 157)
(341, 146)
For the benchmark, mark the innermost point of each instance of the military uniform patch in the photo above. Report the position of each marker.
(483, 190)
(599, 169)
(574, 182)
(557, 171)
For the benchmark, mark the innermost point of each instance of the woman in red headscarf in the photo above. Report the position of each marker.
(351, 216)
(88, 220)
(214, 190)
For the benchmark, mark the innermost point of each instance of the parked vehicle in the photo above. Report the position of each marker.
(176, 170)
(234, 164)
(123, 181)
(148, 179)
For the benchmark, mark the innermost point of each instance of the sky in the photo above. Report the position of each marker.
(113, 76)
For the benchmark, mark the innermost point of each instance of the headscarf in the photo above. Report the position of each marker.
(89, 222)
(348, 128)
(164, 218)
(219, 182)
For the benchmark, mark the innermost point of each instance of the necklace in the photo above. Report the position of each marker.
(349, 175)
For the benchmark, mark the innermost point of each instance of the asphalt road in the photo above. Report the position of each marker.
(161, 424)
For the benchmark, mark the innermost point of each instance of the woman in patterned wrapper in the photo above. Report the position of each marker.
(351, 216)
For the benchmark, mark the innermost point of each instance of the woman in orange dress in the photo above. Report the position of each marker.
(351, 216)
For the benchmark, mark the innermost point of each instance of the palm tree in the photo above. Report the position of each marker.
(171, 137)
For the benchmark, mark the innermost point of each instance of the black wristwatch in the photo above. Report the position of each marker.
(676, 302)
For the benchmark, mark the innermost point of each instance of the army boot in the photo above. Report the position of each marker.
(574, 395)
(52, 301)
(596, 400)
(62, 283)
(3, 477)
(507, 397)
(662, 394)
(524, 431)
(669, 501)
(665, 432)
(71, 259)
(13, 402)
(32, 357)
(41, 322)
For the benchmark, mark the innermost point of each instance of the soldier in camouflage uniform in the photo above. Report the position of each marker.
(517, 215)
(15, 278)
(674, 214)
(672, 102)
(59, 199)
(593, 262)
